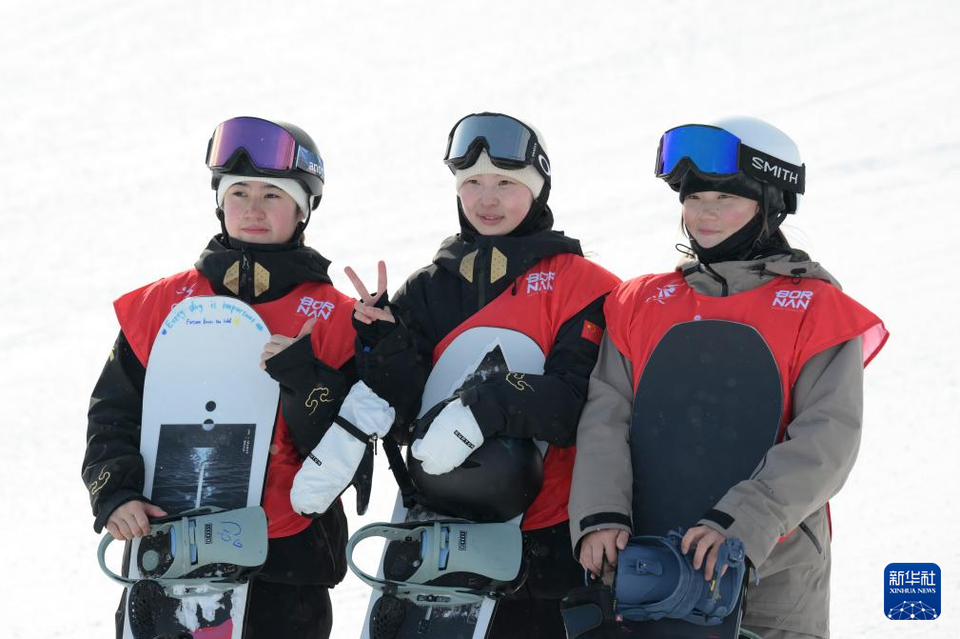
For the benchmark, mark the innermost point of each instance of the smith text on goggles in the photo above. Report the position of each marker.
(714, 151)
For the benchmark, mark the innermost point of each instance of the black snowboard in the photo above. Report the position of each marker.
(707, 409)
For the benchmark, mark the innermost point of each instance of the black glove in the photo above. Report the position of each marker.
(372, 334)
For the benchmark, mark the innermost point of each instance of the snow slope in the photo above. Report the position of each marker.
(107, 106)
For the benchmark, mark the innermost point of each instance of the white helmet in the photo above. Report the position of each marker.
(770, 141)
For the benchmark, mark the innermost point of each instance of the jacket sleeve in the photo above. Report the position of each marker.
(601, 494)
(397, 362)
(112, 466)
(310, 392)
(801, 473)
(546, 407)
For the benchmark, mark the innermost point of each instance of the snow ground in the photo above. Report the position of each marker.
(107, 105)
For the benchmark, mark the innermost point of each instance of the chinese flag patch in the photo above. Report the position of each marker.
(591, 332)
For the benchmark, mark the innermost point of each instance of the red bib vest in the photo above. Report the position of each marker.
(797, 319)
(549, 294)
(141, 313)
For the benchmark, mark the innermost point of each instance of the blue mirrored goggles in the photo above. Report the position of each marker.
(510, 143)
(717, 152)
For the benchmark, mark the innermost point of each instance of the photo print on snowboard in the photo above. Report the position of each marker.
(203, 465)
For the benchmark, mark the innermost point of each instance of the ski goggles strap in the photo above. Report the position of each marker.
(715, 151)
(510, 143)
(270, 147)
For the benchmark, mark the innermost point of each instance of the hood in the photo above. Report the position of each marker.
(730, 278)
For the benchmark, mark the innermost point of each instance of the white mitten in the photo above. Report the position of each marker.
(450, 439)
(338, 460)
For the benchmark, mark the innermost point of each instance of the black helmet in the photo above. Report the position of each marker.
(259, 147)
(497, 482)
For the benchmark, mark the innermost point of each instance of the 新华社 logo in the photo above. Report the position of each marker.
(911, 592)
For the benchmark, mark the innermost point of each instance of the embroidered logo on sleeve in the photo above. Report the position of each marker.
(540, 281)
(100, 482)
(591, 332)
(315, 308)
(516, 380)
(793, 299)
(317, 395)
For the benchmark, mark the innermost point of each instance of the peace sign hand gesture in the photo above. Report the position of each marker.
(366, 310)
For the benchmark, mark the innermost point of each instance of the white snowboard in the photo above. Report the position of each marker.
(208, 419)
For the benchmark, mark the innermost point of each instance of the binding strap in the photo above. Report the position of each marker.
(408, 491)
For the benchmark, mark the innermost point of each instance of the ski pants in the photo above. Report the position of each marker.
(288, 611)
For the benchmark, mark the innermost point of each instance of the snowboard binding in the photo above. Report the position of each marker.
(207, 548)
(655, 580)
(445, 562)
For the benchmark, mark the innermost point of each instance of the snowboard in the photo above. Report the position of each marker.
(470, 357)
(208, 419)
(707, 409)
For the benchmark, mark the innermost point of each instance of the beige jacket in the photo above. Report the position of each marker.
(788, 493)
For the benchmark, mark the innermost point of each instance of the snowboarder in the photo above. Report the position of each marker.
(506, 268)
(737, 179)
(268, 177)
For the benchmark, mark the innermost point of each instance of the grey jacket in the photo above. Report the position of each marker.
(789, 492)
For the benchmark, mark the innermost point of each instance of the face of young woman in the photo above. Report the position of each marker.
(260, 213)
(712, 216)
(494, 204)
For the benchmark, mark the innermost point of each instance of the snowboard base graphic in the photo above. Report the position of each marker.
(208, 418)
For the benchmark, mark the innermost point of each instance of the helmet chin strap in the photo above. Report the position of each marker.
(297, 236)
(223, 224)
(774, 207)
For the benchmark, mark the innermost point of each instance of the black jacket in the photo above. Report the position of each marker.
(395, 359)
(112, 466)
